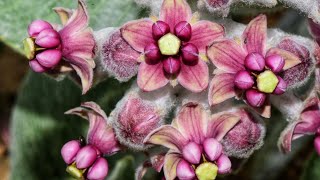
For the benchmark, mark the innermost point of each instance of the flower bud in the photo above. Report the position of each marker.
(37, 26)
(281, 87)
(48, 38)
(171, 65)
(255, 98)
(86, 157)
(224, 164)
(37, 67)
(275, 63)
(183, 31)
(212, 149)
(190, 54)
(192, 153)
(185, 170)
(243, 80)
(159, 29)
(254, 62)
(99, 170)
(49, 58)
(152, 53)
(70, 150)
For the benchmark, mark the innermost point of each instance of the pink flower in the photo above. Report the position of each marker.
(60, 50)
(172, 48)
(88, 157)
(246, 67)
(308, 123)
(193, 139)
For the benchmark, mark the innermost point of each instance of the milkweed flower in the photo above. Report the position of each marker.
(85, 160)
(173, 47)
(61, 49)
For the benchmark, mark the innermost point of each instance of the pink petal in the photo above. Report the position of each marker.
(99, 134)
(167, 136)
(204, 33)
(255, 35)
(174, 11)
(151, 77)
(63, 13)
(192, 122)
(220, 124)
(265, 110)
(170, 165)
(227, 55)
(291, 60)
(221, 88)
(194, 78)
(138, 33)
(156, 162)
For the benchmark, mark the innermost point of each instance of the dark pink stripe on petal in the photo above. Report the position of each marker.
(151, 77)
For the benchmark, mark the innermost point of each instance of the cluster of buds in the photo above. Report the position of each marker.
(43, 47)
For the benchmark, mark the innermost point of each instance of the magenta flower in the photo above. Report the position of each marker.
(246, 67)
(85, 160)
(193, 139)
(308, 123)
(63, 49)
(172, 48)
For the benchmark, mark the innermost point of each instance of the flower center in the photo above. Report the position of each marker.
(207, 171)
(267, 81)
(29, 48)
(74, 171)
(169, 44)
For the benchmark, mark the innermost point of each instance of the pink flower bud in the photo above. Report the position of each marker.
(212, 148)
(254, 62)
(48, 38)
(49, 58)
(281, 87)
(314, 28)
(192, 153)
(224, 164)
(152, 53)
(255, 98)
(37, 67)
(86, 157)
(190, 54)
(160, 29)
(275, 63)
(185, 171)
(243, 80)
(183, 31)
(37, 26)
(171, 65)
(99, 169)
(70, 150)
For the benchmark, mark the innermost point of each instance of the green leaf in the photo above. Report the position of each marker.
(16, 15)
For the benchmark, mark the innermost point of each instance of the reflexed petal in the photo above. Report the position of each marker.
(291, 60)
(63, 13)
(138, 33)
(204, 33)
(151, 77)
(100, 134)
(170, 165)
(155, 161)
(167, 136)
(220, 124)
(227, 55)
(221, 88)
(192, 122)
(174, 11)
(265, 110)
(194, 78)
(255, 35)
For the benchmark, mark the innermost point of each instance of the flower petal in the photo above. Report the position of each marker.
(227, 55)
(138, 33)
(174, 11)
(100, 134)
(291, 60)
(167, 136)
(204, 33)
(63, 13)
(170, 165)
(220, 124)
(255, 35)
(151, 77)
(221, 88)
(192, 122)
(156, 162)
(194, 78)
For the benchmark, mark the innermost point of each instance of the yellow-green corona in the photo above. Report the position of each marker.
(169, 44)
(207, 171)
(75, 172)
(267, 81)
(29, 48)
